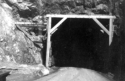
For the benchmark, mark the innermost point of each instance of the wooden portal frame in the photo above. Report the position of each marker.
(51, 30)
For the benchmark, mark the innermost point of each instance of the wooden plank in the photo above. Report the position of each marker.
(48, 41)
(101, 25)
(111, 31)
(27, 23)
(57, 25)
(80, 16)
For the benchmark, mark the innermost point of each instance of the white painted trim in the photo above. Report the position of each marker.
(80, 16)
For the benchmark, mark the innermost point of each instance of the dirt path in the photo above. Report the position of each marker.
(75, 74)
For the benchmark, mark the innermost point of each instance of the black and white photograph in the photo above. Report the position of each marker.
(62, 40)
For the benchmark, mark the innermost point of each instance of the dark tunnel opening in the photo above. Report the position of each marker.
(81, 43)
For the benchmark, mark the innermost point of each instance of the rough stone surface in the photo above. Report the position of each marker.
(15, 47)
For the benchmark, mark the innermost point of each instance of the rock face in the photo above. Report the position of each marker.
(74, 7)
(14, 45)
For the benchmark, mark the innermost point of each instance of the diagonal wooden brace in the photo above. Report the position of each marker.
(101, 25)
(57, 25)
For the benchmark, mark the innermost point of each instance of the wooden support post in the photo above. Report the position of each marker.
(111, 30)
(48, 41)
(94, 17)
(101, 25)
(57, 25)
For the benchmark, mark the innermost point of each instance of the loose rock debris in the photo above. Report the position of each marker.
(17, 51)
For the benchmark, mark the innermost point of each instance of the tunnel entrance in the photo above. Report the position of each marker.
(80, 43)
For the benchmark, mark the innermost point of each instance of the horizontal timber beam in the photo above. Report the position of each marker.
(80, 16)
(26, 23)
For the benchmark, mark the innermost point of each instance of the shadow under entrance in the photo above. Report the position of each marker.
(81, 43)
